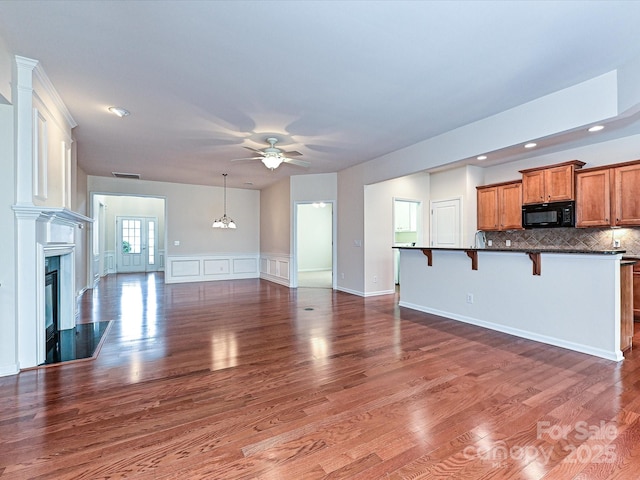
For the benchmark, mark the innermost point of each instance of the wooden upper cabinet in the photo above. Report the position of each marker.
(510, 206)
(553, 183)
(487, 208)
(593, 198)
(627, 195)
(533, 187)
(500, 206)
(608, 196)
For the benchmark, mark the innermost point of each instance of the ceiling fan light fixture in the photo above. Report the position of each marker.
(224, 221)
(272, 160)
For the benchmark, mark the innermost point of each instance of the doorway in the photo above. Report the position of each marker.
(136, 244)
(314, 245)
(407, 229)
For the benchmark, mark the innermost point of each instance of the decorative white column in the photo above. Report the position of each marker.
(26, 218)
(23, 103)
(26, 228)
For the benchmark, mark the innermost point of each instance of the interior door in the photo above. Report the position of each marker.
(446, 224)
(136, 244)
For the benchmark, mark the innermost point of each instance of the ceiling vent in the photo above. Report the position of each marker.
(134, 176)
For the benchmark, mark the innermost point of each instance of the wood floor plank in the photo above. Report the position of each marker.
(247, 379)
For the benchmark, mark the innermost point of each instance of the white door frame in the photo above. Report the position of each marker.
(294, 241)
(91, 264)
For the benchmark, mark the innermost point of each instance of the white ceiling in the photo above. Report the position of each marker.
(340, 82)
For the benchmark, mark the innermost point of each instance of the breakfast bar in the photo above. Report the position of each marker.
(567, 298)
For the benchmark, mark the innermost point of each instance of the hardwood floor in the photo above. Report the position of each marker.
(248, 379)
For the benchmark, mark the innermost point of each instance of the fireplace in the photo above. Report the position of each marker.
(43, 233)
(51, 297)
(57, 308)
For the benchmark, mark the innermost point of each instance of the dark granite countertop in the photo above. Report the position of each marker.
(522, 250)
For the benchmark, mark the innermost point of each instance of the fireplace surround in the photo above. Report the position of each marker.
(44, 233)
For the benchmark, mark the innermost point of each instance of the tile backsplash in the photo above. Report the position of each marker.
(570, 238)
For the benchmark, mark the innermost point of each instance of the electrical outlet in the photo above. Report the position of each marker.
(375, 279)
(508, 243)
(616, 243)
(469, 297)
(490, 243)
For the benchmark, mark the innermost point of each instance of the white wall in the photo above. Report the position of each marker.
(6, 67)
(315, 187)
(460, 182)
(8, 327)
(191, 210)
(563, 306)
(379, 228)
(275, 219)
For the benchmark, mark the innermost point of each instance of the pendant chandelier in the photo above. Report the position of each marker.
(224, 222)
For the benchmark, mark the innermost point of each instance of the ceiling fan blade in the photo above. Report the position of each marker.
(292, 154)
(250, 158)
(255, 150)
(300, 163)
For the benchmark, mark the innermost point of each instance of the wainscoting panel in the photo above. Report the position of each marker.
(185, 268)
(276, 268)
(203, 268)
(109, 262)
(244, 265)
(216, 267)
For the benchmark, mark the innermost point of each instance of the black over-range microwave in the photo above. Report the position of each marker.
(549, 215)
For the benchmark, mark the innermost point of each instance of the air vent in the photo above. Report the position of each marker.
(134, 176)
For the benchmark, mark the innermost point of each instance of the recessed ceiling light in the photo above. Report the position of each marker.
(531, 145)
(481, 157)
(119, 111)
(596, 128)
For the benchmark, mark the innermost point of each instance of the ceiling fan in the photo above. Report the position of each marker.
(272, 157)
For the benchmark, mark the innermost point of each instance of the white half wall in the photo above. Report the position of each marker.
(574, 303)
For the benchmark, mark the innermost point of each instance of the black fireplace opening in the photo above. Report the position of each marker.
(51, 302)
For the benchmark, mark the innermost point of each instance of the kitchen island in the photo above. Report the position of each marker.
(567, 298)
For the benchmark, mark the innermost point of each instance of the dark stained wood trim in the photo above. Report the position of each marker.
(473, 255)
(536, 259)
(429, 254)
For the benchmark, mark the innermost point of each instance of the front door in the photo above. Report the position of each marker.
(136, 244)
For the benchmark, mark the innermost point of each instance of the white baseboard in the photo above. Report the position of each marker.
(9, 369)
(616, 356)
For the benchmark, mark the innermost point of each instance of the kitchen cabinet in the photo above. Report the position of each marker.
(636, 291)
(553, 183)
(608, 196)
(626, 306)
(626, 180)
(500, 206)
(593, 198)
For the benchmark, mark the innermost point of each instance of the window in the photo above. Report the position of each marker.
(131, 236)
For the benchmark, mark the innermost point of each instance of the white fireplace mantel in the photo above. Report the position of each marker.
(43, 232)
(54, 213)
